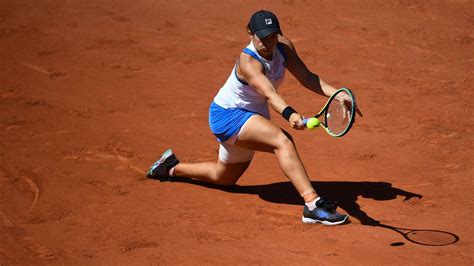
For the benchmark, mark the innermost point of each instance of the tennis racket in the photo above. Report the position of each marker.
(337, 115)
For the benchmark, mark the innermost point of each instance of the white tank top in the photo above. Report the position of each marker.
(237, 93)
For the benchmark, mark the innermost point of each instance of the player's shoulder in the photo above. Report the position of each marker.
(248, 58)
(248, 64)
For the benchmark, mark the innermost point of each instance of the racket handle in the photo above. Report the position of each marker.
(309, 123)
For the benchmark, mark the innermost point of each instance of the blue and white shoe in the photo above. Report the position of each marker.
(160, 169)
(325, 213)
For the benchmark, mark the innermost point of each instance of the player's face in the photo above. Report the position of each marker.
(265, 46)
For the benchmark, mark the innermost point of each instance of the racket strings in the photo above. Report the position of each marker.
(339, 116)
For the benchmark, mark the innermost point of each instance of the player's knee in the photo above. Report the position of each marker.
(229, 175)
(225, 180)
(288, 136)
(285, 141)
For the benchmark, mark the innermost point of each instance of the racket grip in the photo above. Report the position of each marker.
(305, 121)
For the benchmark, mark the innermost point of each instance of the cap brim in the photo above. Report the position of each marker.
(265, 32)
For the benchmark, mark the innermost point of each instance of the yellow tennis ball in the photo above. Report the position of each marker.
(312, 123)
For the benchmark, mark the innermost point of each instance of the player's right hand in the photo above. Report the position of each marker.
(296, 121)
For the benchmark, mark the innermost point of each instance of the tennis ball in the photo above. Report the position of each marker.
(312, 123)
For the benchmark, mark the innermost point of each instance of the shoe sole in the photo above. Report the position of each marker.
(313, 221)
(164, 156)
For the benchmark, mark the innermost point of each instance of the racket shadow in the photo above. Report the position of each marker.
(345, 193)
(424, 237)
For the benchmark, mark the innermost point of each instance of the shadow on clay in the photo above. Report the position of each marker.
(345, 194)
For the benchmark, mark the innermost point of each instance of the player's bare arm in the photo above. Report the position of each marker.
(252, 71)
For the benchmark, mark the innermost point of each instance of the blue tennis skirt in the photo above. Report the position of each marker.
(225, 123)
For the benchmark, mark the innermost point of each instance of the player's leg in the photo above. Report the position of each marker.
(232, 163)
(219, 172)
(262, 135)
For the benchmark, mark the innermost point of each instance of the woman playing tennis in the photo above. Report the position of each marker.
(239, 117)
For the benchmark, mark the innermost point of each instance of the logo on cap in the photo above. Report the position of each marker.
(268, 21)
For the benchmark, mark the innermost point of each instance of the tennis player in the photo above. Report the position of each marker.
(239, 117)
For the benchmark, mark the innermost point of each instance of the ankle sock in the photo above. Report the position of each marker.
(312, 204)
(171, 172)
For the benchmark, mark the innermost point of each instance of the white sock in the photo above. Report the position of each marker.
(312, 204)
(171, 172)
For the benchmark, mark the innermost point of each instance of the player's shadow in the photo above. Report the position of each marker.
(344, 193)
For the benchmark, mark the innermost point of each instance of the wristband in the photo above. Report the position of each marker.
(287, 112)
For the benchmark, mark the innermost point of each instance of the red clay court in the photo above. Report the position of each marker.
(92, 92)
